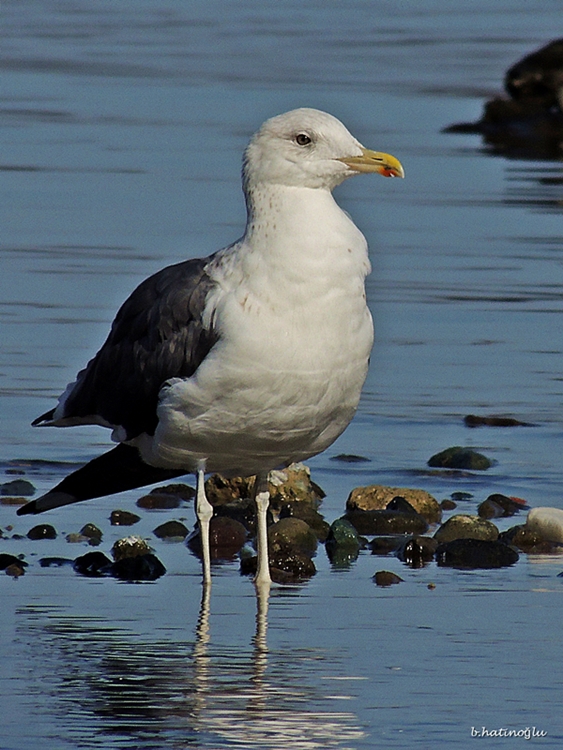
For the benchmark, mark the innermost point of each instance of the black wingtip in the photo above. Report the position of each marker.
(47, 417)
(48, 501)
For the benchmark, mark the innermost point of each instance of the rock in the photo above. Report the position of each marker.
(448, 505)
(342, 544)
(306, 513)
(377, 497)
(475, 553)
(75, 538)
(92, 532)
(386, 578)
(498, 506)
(15, 570)
(293, 485)
(243, 511)
(159, 501)
(291, 535)
(547, 523)
(538, 76)
(123, 518)
(220, 490)
(386, 545)
(226, 537)
(42, 531)
(529, 541)
(172, 531)
(17, 487)
(466, 527)
(417, 551)
(130, 546)
(139, 568)
(461, 496)
(284, 568)
(181, 490)
(460, 458)
(93, 565)
(386, 522)
(471, 420)
(6, 560)
(349, 458)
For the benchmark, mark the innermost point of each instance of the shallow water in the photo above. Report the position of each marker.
(122, 128)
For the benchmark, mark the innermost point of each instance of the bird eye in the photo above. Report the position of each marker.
(302, 139)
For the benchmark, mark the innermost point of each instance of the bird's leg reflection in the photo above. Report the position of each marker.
(260, 643)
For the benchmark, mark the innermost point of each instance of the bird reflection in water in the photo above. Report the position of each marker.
(99, 682)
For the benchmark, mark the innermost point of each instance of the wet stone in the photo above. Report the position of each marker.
(42, 531)
(291, 535)
(93, 565)
(457, 457)
(9, 500)
(15, 570)
(343, 534)
(475, 553)
(378, 497)
(75, 538)
(473, 420)
(386, 545)
(130, 546)
(179, 489)
(460, 496)
(417, 551)
(159, 501)
(139, 568)
(220, 490)
(466, 527)
(171, 531)
(226, 538)
(528, 541)
(6, 560)
(499, 506)
(284, 568)
(308, 514)
(17, 487)
(123, 518)
(386, 522)
(91, 531)
(386, 578)
(547, 523)
(448, 504)
(294, 485)
(243, 511)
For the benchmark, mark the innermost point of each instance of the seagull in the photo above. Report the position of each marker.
(245, 361)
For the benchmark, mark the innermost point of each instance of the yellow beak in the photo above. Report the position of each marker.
(375, 161)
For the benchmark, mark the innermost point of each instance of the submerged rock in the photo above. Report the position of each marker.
(386, 578)
(463, 526)
(342, 544)
(529, 541)
(378, 497)
(471, 420)
(55, 562)
(17, 487)
(457, 457)
(475, 553)
(350, 458)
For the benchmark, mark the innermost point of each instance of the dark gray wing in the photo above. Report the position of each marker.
(157, 334)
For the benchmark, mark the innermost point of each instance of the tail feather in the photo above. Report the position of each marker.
(120, 469)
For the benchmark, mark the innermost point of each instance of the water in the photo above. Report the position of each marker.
(122, 129)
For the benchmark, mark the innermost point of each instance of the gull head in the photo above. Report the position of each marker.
(312, 149)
